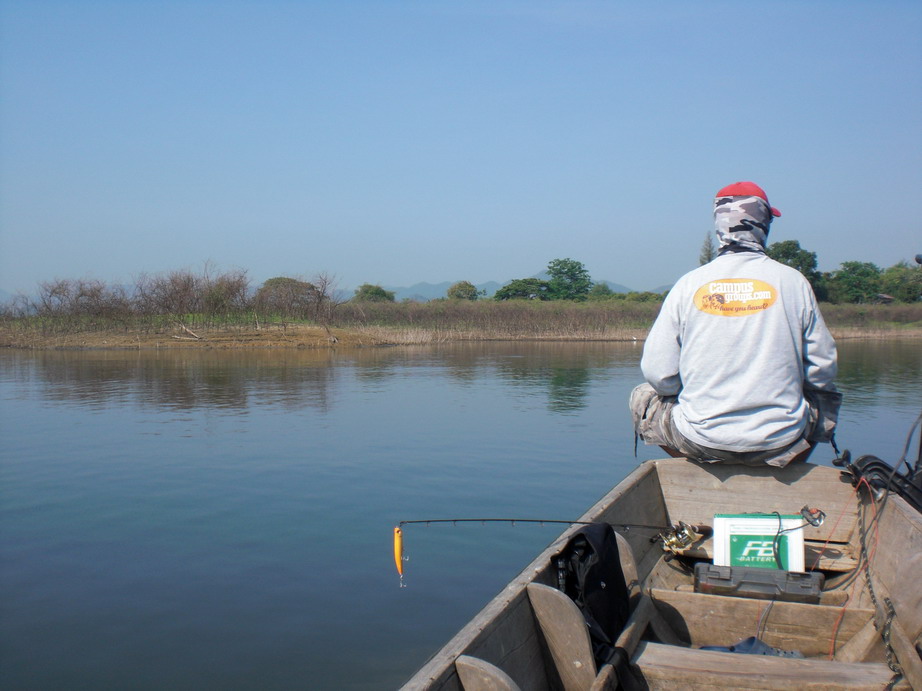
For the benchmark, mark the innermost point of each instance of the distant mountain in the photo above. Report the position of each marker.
(616, 287)
(489, 288)
(420, 292)
(423, 292)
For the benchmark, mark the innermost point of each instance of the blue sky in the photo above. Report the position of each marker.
(394, 142)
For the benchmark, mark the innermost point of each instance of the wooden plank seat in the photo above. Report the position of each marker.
(703, 619)
(479, 675)
(669, 667)
(567, 638)
(693, 491)
(566, 635)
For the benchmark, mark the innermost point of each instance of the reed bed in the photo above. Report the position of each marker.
(444, 321)
(455, 320)
(408, 323)
(893, 315)
(423, 336)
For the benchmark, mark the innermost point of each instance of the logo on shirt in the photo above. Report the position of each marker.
(735, 297)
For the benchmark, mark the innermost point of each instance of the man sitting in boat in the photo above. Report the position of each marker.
(739, 365)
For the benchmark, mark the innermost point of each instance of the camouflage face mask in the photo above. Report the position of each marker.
(742, 221)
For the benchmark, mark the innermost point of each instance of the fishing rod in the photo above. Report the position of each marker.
(672, 536)
(513, 521)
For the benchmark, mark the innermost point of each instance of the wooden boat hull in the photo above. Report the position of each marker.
(838, 637)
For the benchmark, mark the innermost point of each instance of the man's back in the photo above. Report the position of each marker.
(742, 334)
(739, 364)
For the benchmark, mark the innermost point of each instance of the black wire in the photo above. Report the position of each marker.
(777, 541)
(883, 503)
(760, 629)
(906, 447)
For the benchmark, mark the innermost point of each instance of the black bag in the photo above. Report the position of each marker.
(589, 572)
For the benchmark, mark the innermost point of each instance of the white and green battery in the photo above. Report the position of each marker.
(751, 539)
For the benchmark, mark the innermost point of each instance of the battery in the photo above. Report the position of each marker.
(770, 541)
(758, 583)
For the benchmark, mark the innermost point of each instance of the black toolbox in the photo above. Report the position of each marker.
(761, 584)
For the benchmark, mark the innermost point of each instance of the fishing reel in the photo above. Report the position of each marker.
(681, 536)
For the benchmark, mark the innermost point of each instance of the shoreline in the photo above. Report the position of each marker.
(318, 337)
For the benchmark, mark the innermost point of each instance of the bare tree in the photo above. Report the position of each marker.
(708, 250)
(54, 297)
(175, 296)
(225, 294)
(326, 298)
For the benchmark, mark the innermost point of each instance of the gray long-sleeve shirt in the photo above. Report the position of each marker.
(738, 340)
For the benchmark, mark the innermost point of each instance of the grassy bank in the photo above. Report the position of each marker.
(370, 324)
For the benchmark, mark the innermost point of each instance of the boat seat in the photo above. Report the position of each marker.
(566, 635)
(670, 667)
(479, 675)
(567, 638)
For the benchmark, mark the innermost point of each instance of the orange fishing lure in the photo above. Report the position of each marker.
(398, 549)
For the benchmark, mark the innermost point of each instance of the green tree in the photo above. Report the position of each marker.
(601, 291)
(463, 290)
(569, 280)
(789, 252)
(854, 282)
(645, 296)
(372, 293)
(524, 289)
(708, 250)
(903, 281)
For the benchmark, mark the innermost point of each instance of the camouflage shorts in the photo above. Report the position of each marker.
(652, 417)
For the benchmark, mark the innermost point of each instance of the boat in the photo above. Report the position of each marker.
(862, 630)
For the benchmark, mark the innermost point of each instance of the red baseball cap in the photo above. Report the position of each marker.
(747, 189)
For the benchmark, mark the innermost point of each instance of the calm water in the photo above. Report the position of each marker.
(223, 520)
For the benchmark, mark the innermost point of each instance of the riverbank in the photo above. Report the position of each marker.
(221, 338)
(357, 325)
(316, 337)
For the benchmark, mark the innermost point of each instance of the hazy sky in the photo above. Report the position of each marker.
(394, 142)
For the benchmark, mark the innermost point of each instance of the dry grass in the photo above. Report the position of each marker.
(424, 336)
(276, 336)
(842, 333)
(446, 321)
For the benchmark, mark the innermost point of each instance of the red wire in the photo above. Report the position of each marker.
(863, 567)
(831, 533)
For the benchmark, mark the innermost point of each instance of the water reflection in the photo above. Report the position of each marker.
(234, 381)
(180, 380)
(868, 369)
